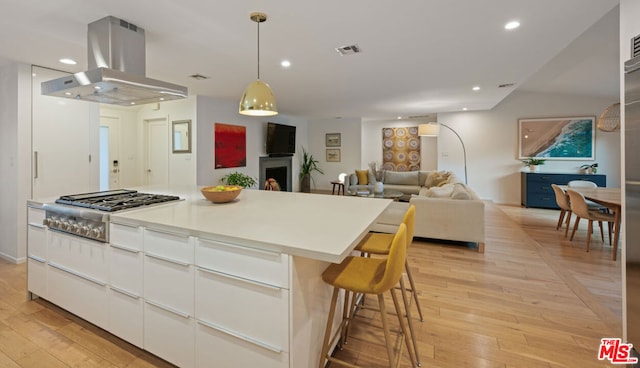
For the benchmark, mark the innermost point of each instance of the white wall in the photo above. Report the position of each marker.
(128, 157)
(15, 158)
(211, 111)
(350, 148)
(491, 139)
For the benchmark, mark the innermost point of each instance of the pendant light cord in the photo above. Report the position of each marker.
(258, 49)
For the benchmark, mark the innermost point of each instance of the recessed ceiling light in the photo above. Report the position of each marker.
(67, 93)
(133, 103)
(68, 61)
(399, 117)
(161, 98)
(476, 88)
(464, 109)
(512, 25)
(285, 63)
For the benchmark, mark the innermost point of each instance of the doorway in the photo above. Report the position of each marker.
(109, 153)
(157, 152)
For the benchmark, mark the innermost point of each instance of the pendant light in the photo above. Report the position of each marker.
(258, 99)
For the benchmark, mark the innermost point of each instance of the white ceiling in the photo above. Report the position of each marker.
(418, 56)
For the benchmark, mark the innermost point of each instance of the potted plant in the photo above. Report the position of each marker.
(238, 178)
(309, 165)
(590, 169)
(533, 163)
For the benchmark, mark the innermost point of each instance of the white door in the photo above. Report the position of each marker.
(157, 157)
(109, 153)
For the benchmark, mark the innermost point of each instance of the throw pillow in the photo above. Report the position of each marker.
(363, 177)
(460, 192)
(435, 178)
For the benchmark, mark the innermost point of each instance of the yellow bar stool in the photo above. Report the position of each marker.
(367, 276)
(379, 244)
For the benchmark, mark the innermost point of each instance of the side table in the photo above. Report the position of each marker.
(340, 186)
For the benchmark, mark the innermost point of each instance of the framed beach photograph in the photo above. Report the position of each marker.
(333, 139)
(333, 155)
(571, 138)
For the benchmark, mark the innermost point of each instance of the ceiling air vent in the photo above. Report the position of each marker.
(505, 85)
(198, 76)
(635, 46)
(348, 50)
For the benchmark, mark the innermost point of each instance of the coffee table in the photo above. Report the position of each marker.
(390, 194)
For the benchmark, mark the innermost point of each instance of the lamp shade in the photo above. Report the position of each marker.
(429, 130)
(258, 100)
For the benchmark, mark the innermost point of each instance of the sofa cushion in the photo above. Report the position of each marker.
(460, 192)
(436, 177)
(363, 177)
(401, 178)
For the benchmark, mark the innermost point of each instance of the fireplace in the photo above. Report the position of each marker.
(278, 168)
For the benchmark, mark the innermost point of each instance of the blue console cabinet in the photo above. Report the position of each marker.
(536, 188)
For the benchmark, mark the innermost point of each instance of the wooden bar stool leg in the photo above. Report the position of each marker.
(385, 327)
(413, 290)
(327, 332)
(415, 356)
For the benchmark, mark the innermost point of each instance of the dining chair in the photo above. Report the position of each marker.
(562, 199)
(581, 210)
(581, 184)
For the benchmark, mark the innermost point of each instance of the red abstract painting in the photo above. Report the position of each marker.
(230, 142)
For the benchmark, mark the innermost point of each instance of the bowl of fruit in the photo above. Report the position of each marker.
(221, 193)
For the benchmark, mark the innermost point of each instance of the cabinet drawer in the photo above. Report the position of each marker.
(87, 257)
(169, 336)
(128, 236)
(86, 298)
(241, 307)
(169, 284)
(35, 216)
(264, 266)
(217, 349)
(175, 246)
(125, 269)
(37, 241)
(126, 316)
(37, 277)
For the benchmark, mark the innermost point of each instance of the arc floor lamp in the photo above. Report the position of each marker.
(433, 129)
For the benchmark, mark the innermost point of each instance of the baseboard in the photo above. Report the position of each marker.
(12, 259)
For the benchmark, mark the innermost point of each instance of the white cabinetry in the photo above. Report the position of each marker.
(169, 296)
(77, 276)
(125, 283)
(242, 306)
(65, 141)
(36, 251)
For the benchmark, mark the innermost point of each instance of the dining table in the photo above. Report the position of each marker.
(610, 198)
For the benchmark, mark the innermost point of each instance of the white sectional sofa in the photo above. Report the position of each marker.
(446, 208)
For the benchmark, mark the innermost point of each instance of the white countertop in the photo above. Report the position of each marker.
(316, 226)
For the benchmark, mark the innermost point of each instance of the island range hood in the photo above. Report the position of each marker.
(116, 75)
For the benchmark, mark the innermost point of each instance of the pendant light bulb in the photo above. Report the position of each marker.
(258, 99)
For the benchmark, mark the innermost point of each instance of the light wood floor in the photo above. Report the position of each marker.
(533, 299)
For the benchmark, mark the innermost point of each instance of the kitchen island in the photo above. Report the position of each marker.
(219, 285)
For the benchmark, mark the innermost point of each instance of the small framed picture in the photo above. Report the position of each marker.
(333, 139)
(333, 155)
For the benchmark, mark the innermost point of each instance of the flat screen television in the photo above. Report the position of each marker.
(281, 139)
